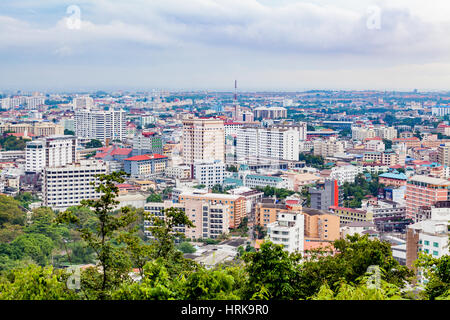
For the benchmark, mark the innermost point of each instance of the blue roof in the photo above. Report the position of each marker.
(390, 175)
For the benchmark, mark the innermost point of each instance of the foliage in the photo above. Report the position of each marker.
(186, 247)
(280, 193)
(354, 193)
(10, 143)
(26, 198)
(154, 197)
(272, 273)
(437, 273)
(69, 132)
(10, 211)
(35, 283)
(94, 143)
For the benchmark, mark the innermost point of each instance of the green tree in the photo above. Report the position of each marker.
(113, 262)
(69, 132)
(94, 143)
(36, 283)
(154, 197)
(186, 247)
(272, 273)
(437, 273)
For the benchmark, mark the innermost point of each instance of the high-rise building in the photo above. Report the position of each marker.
(256, 144)
(52, 151)
(83, 103)
(100, 124)
(444, 154)
(328, 147)
(67, 185)
(203, 140)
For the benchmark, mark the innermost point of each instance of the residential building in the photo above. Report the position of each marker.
(349, 215)
(146, 143)
(424, 191)
(103, 125)
(288, 231)
(203, 140)
(328, 147)
(325, 195)
(209, 173)
(52, 151)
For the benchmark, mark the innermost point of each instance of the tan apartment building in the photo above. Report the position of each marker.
(38, 128)
(203, 140)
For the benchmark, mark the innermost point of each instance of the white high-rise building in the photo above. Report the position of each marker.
(100, 124)
(83, 103)
(288, 231)
(67, 185)
(203, 140)
(254, 144)
(209, 173)
(51, 151)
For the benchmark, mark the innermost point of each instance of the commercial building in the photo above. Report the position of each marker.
(270, 112)
(328, 147)
(67, 185)
(38, 129)
(146, 164)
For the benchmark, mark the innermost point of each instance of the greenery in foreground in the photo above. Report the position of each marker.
(31, 256)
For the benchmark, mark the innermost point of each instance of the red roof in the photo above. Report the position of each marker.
(121, 151)
(101, 155)
(147, 134)
(22, 134)
(146, 157)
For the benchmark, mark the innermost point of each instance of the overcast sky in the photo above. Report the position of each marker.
(206, 44)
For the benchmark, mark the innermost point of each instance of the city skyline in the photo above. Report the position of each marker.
(204, 45)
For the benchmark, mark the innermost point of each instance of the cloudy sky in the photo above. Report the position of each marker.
(206, 44)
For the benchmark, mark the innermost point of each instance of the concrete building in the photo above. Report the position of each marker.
(38, 129)
(349, 215)
(325, 195)
(270, 112)
(209, 173)
(346, 173)
(236, 204)
(147, 164)
(422, 191)
(288, 231)
(146, 143)
(52, 151)
(328, 147)
(67, 185)
(444, 154)
(203, 140)
(254, 145)
(103, 125)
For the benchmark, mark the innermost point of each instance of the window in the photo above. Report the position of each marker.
(435, 253)
(435, 244)
(427, 243)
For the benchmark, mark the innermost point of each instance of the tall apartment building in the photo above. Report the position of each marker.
(325, 195)
(83, 103)
(288, 231)
(346, 173)
(362, 133)
(328, 148)
(270, 112)
(203, 140)
(301, 127)
(423, 191)
(67, 185)
(147, 142)
(236, 204)
(444, 154)
(320, 225)
(100, 124)
(386, 132)
(256, 144)
(52, 151)
(209, 173)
